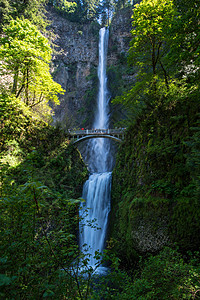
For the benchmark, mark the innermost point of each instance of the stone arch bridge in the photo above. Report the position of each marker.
(78, 136)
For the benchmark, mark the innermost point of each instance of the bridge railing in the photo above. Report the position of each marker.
(96, 131)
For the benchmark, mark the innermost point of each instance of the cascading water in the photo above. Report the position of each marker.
(96, 192)
(97, 188)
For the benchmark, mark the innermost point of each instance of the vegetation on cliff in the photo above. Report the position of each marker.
(155, 197)
(33, 10)
(90, 11)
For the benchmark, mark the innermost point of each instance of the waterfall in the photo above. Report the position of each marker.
(97, 189)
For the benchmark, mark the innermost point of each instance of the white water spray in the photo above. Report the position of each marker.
(96, 190)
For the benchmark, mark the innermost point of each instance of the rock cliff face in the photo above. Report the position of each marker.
(76, 55)
(75, 64)
(120, 36)
(120, 77)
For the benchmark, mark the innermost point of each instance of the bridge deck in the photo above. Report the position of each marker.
(83, 134)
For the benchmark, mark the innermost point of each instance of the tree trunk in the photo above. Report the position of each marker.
(15, 82)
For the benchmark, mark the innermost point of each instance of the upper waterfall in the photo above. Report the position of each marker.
(102, 116)
(100, 158)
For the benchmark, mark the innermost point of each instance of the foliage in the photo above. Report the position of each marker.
(157, 159)
(164, 276)
(13, 122)
(39, 219)
(107, 9)
(26, 54)
(115, 81)
(19, 126)
(151, 21)
(183, 55)
(64, 6)
(77, 11)
(192, 159)
(30, 9)
(24, 218)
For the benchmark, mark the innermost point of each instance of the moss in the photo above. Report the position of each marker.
(146, 225)
(90, 98)
(185, 223)
(154, 195)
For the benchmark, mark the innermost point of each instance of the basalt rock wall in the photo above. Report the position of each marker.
(75, 56)
(120, 36)
(75, 63)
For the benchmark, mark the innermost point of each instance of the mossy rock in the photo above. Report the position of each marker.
(145, 226)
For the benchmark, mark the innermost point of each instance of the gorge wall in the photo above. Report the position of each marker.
(154, 202)
(75, 64)
(155, 196)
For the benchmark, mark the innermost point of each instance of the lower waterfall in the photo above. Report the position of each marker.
(97, 207)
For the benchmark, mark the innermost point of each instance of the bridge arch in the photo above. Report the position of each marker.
(92, 136)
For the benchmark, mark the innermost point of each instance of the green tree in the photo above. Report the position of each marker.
(67, 7)
(31, 9)
(183, 56)
(90, 8)
(151, 23)
(5, 9)
(26, 55)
